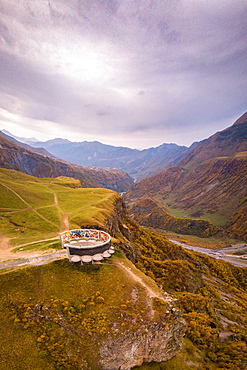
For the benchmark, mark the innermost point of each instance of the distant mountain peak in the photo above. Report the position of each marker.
(58, 140)
(225, 143)
(22, 139)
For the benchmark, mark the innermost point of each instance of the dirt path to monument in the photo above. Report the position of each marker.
(150, 292)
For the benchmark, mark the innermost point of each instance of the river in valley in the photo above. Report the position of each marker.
(222, 253)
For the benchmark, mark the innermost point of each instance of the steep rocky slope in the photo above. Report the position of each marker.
(224, 143)
(204, 185)
(17, 158)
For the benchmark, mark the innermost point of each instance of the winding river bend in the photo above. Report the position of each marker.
(222, 253)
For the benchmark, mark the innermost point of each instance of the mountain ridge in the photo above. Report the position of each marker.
(223, 143)
(14, 157)
(137, 163)
(43, 151)
(209, 184)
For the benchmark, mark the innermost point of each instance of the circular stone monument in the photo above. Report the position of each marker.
(89, 244)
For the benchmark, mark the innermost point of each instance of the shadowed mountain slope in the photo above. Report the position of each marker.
(138, 163)
(147, 212)
(210, 183)
(26, 146)
(17, 158)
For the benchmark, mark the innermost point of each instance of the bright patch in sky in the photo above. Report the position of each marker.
(131, 73)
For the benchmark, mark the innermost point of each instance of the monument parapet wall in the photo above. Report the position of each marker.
(83, 242)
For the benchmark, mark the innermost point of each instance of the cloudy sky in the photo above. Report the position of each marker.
(134, 73)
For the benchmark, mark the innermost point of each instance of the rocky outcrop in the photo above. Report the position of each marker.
(156, 342)
(124, 229)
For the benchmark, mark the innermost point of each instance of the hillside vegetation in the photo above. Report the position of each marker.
(147, 212)
(216, 188)
(60, 316)
(212, 296)
(237, 224)
(33, 209)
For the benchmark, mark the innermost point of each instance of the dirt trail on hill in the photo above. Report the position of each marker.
(65, 218)
(55, 200)
(150, 292)
(65, 223)
(7, 254)
(29, 207)
(6, 248)
(23, 200)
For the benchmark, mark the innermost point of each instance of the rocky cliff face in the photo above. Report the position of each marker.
(155, 342)
(124, 229)
(157, 338)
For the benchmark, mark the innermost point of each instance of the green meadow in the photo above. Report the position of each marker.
(34, 209)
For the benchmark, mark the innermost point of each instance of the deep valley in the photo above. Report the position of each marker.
(154, 304)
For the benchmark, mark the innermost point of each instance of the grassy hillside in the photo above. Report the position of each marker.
(60, 316)
(33, 209)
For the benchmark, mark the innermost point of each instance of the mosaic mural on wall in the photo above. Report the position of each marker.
(84, 234)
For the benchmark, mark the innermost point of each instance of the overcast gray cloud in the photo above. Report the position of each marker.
(133, 73)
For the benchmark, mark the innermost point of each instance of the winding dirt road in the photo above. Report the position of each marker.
(34, 260)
